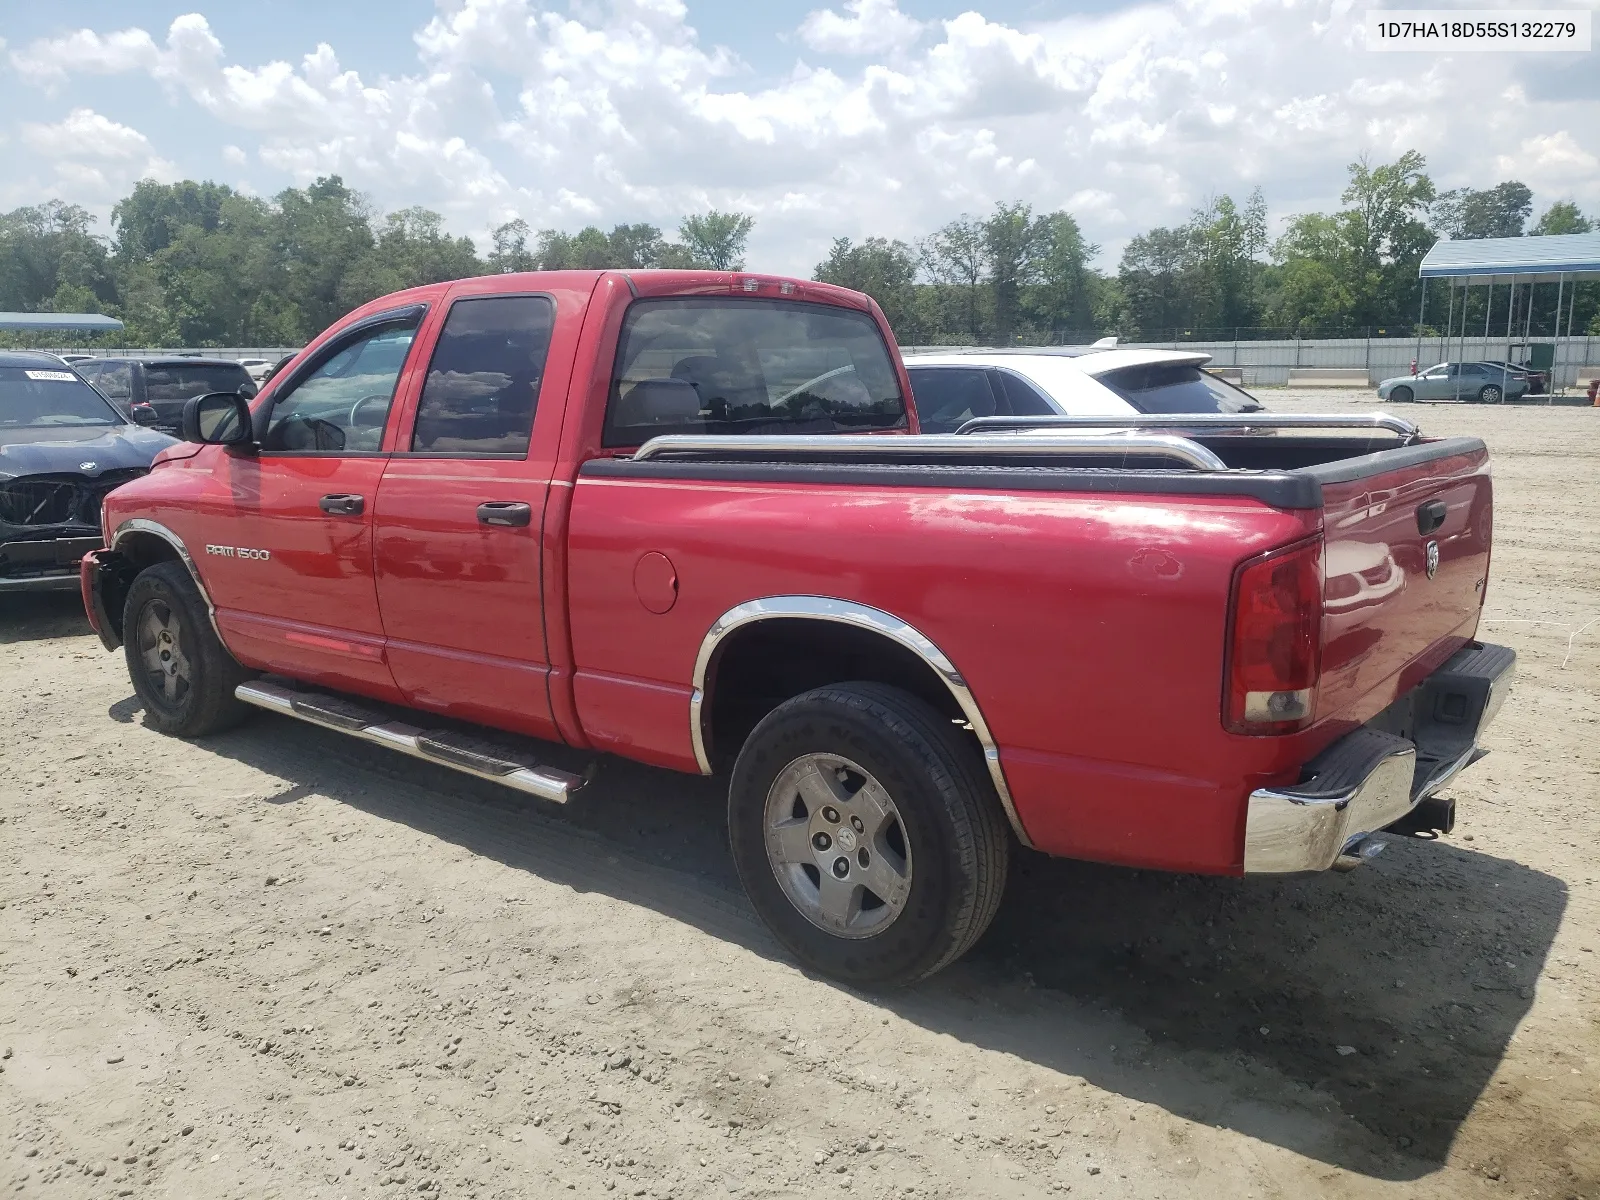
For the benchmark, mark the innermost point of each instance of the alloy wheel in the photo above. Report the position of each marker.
(837, 846)
(162, 652)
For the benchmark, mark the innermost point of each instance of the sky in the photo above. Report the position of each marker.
(856, 119)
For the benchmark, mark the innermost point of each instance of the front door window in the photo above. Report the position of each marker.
(342, 406)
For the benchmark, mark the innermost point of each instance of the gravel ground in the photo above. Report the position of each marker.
(276, 963)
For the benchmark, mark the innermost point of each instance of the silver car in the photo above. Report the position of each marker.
(1481, 382)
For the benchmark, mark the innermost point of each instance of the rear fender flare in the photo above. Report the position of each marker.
(861, 616)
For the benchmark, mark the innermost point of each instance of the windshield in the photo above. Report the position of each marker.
(1177, 388)
(169, 383)
(36, 397)
(698, 365)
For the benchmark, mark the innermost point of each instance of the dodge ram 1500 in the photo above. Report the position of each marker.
(688, 518)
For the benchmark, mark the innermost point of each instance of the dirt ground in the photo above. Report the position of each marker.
(276, 963)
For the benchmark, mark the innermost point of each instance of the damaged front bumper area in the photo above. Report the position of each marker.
(1377, 776)
(48, 564)
(104, 577)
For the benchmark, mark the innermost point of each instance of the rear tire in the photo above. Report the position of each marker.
(921, 875)
(179, 667)
(1490, 394)
(1402, 395)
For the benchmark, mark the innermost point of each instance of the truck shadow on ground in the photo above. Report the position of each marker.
(1354, 1019)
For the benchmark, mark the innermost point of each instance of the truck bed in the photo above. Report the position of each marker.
(1052, 580)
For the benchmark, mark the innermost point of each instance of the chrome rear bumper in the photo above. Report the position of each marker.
(1375, 775)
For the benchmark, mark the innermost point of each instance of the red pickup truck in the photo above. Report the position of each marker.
(687, 518)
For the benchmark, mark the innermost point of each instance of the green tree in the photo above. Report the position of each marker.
(50, 259)
(626, 247)
(1500, 211)
(884, 270)
(1226, 242)
(510, 248)
(221, 280)
(149, 219)
(717, 239)
(1155, 274)
(636, 246)
(1562, 217)
(410, 249)
(1060, 295)
(955, 258)
(1012, 246)
(324, 231)
(1358, 267)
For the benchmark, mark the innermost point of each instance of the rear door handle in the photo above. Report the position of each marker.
(511, 514)
(1430, 516)
(342, 504)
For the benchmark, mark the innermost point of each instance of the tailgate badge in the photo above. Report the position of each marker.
(1433, 559)
(87, 466)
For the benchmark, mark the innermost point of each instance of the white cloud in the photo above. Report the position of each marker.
(86, 52)
(84, 133)
(89, 159)
(871, 26)
(1552, 160)
(620, 110)
(234, 156)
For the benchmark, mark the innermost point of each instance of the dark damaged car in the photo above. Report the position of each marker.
(63, 446)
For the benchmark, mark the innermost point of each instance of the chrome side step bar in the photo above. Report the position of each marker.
(435, 746)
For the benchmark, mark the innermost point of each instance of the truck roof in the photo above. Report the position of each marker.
(643, 281)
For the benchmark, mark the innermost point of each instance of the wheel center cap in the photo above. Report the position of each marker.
(845, 839)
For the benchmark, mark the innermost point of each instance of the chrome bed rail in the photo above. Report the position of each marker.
(1110, 446)
(1407, 431)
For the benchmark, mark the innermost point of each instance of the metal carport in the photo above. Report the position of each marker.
(91, 322)
(1556, 259)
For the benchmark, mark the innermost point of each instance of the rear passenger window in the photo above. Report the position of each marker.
(116, 381)
(483, 382)
(1022, 398)
(949, 397)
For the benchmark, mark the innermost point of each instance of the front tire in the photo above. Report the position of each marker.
(179, 667)
(1489, 394)
(1401, 395)
(867, 834)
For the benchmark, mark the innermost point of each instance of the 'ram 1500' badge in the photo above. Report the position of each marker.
(1433, 559)
(247, 552)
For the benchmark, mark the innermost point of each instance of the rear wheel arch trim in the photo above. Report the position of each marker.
(155, 528)
(860, 616)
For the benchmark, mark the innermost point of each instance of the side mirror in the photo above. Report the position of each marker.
(218, 419)
(143, 414)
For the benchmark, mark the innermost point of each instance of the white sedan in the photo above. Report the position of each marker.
(1078, 381)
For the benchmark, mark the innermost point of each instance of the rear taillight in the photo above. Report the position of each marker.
(1275, 643)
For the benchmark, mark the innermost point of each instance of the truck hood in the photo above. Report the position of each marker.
(48, 451)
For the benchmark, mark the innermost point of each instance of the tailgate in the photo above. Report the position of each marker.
(1405, 571)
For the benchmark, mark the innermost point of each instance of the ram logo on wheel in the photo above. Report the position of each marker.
(239, 552)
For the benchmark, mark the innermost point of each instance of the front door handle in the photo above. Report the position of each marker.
(1430, 516)
(511, 514)
(342, 504)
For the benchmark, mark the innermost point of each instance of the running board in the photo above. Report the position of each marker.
(460, 752)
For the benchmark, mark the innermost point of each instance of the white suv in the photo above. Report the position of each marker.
(1078, 381)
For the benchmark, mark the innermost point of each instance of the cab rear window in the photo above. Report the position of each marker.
(724, 366)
